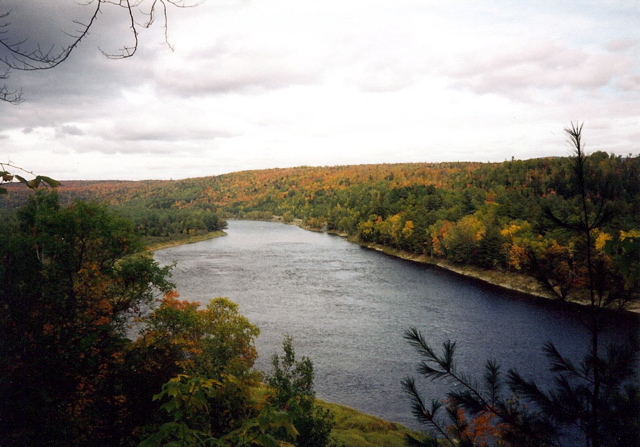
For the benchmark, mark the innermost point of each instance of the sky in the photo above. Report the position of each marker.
(244, 84)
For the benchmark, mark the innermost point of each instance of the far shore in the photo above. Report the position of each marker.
(510, 280)
(513, 281)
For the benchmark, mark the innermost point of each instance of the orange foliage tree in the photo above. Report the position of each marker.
(215, 342)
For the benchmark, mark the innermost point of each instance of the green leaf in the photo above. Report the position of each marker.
(267, 441)
(3, 191)
(33, 184)
(173, 391)
(22, 180)
(49, 181)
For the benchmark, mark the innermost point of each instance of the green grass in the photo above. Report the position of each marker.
(356, 429)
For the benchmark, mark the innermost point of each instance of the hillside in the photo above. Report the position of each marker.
(492, 216)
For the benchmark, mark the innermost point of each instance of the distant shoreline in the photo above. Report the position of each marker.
(513, 281)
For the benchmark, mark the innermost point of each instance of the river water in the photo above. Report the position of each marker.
(347, 308)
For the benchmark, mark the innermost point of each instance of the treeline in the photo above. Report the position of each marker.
(169, 223)
(493, 215)
(157, 212)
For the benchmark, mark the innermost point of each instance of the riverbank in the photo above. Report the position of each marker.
(510, 280)
(159, 245)
(513, 281)
(357, 429)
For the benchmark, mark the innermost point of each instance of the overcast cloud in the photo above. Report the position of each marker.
(265, 84)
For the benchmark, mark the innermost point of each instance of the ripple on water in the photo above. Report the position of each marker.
(347, 309)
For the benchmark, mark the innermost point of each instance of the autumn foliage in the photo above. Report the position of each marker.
(491, 215)
(92, 328)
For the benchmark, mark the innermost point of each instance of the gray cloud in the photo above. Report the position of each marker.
(544, 65)
(228, 65)
(628, 83)
(623, 44)
(68, 129)
(133, 132)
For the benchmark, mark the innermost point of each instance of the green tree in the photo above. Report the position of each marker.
(71, 278)
(463, 239)
(490, 251)
(214, 343)
(188, 404)
(291, 382)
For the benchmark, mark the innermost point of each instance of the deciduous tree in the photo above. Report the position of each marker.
(215, 342)
(70, 280)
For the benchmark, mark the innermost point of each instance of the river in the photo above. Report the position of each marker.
(347, 308)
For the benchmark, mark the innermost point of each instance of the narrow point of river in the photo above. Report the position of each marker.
(347, 308)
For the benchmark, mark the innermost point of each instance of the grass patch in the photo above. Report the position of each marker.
(357, 429)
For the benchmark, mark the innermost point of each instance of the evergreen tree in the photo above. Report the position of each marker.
(292, 384)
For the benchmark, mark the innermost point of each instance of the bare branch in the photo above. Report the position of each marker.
(127, 51)
(7, 95)
(21, 56)
(10, 96)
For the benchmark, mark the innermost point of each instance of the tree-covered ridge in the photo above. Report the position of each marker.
(487, 214)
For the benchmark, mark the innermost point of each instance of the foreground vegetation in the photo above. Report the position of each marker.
(96, 348)
(355, 429)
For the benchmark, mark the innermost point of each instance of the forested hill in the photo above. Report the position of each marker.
(248, 188)
(488, 214)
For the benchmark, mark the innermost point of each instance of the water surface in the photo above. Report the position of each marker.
(347, 309)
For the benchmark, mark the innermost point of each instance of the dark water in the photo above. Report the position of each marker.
(347, 309)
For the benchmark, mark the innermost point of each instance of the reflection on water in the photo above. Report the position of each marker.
(348, 307)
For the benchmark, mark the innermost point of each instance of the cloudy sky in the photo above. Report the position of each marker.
(262, 84)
